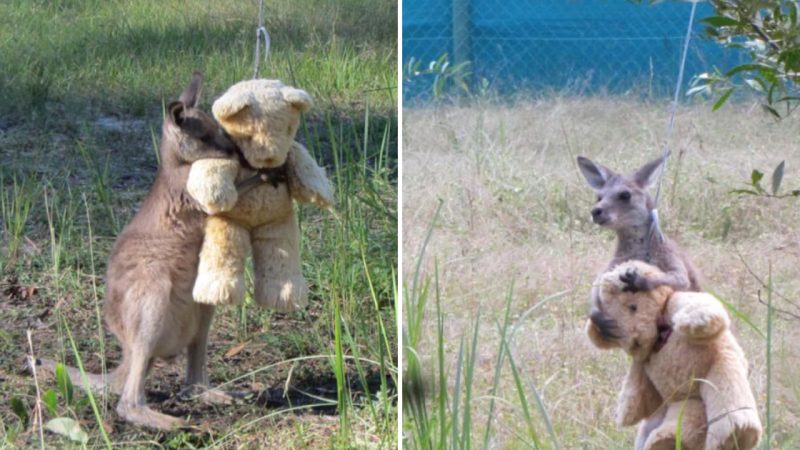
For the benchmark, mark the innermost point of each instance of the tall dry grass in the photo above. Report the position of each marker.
(515, 211)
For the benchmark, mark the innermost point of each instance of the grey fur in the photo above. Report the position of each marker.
(153, 266)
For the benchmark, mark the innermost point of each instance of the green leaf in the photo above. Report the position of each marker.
(772, 111)
(777, 177)
(755, 178)
(718, 104)
(721, 21)
(764, 69)
(67, 427)
(19, 409)
(757, 84)
(64, 383)
(744, 191)
(50, 401)
(796, 193)
(738, 314)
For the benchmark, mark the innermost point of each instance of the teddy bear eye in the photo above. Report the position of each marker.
(632, 308)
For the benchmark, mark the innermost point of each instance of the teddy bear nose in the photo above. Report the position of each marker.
(606, 326)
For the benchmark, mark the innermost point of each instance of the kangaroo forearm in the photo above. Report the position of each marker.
(677, 280)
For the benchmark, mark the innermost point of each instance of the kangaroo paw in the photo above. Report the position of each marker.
(634, 282)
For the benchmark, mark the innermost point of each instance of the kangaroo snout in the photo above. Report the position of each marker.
(597, 216)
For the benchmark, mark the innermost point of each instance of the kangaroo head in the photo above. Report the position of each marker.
(189, 133)
(622, 200)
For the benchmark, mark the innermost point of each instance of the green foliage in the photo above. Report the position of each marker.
(446, 422)
(19, 410)
(767, 30)
(754, 186)
(447, 79)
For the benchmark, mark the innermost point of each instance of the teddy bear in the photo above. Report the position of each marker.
(685, 364)
(249, 198)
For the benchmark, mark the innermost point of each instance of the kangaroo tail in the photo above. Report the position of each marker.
(97, 382)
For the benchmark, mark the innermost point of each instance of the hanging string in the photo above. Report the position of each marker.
(261, 33)
(655, 227)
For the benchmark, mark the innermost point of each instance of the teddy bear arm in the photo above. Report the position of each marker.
(220, 272)
(278, 279)
(698, 315)
(307, 180)
(731, 409)
(638, 398)
(212, 183)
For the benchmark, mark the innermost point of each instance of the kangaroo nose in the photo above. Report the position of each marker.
(596, 212)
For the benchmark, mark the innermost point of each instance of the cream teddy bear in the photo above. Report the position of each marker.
(685, 363)
(249, 199)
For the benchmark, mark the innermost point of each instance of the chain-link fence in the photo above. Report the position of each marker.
(582, 46)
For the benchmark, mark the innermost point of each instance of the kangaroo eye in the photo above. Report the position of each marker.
(632, 308)
(624, 196)
(599, 198)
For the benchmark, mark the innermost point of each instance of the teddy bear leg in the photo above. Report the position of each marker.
(646, 427)
(220, 274)
(692, 418)
(733, 421)
(279, 282)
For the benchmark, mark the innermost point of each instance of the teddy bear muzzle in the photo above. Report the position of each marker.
(605, 325)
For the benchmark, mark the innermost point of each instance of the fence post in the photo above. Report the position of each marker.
(462, 33)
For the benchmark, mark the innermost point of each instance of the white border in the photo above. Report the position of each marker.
(399, 305)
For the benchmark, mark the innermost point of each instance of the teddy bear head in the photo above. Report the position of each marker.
(262, 116)
(627, 320)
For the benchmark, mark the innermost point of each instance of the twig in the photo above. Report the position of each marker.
(778, 310)
(764, 36)
(765, 286)
(32, 364)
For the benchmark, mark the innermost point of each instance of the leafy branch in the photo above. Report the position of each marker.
(767, 30)
(447, 77)
(754, 186)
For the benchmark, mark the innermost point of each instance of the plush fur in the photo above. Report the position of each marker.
(699, 368)
(262, 117)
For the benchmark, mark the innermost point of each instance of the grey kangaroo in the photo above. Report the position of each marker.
(152, 269)
(624, 206)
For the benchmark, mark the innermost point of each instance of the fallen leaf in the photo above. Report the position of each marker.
(235, 350)
(67, 427)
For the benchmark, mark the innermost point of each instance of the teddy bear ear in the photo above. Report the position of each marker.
(228, 106)
(298, 98)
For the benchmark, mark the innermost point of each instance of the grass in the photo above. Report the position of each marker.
(496, 225)
(81, 100)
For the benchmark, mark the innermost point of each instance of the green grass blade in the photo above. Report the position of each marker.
(738, 314)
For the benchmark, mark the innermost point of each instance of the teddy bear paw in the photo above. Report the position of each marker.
(221, 201)
(283, 295)
(740, 429)
(218, 288)
(657, 442)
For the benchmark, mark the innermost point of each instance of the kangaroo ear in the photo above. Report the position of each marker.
(648, 173)
(595, 174)
(191, 95)
(175, 112)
